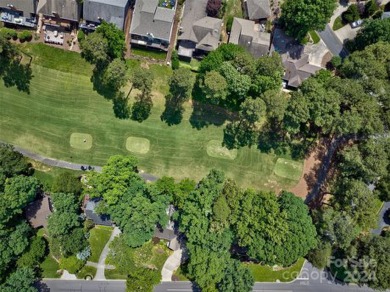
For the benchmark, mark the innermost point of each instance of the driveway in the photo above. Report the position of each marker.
(381, 219)
(346, 33)
(171, 264)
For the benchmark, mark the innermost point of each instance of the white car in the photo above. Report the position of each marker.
(356, 23)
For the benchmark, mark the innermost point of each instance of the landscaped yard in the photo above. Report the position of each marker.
(98, 238)
(263, 273)
(149, 53)
(86, 271)
(63, 103)
(338, 23)
(49, 267)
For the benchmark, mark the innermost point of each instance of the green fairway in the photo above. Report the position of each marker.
(288, 168)
(63, 103)
(137, 145)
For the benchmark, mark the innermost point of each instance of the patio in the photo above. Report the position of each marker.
(14, 17)
(53, 34)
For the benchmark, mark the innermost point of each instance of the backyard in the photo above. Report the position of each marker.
(62, 106)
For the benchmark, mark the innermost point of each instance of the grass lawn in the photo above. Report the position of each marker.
(159, 55)
(266, 274)
(49, 267)
(86, 271)
(98, 238)
(233, 8)
(193, 65)
(288, 168)
(179, 275)
(314, 36)
(62, 103)
(338, 23)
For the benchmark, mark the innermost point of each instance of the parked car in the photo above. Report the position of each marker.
(357, 23)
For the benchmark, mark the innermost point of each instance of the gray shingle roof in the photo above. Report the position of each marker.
(257, 9)
(112, 11)
(66, 9)
(244, 33)
(298, 70)
(99, 219)
(149, 19)
(26, 6)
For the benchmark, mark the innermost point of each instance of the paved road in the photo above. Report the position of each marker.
(69, 165)
(381, 219)
(82, 286)
(332, 42)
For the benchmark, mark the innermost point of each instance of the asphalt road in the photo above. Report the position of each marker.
(333, 43)
(82, 286)
(381, 220)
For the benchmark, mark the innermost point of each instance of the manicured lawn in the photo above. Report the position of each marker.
(98, 238)
(288, 168)
(86, 271)
(49, 267)
(266, 274)
(149, 53)
(193, 65)
(62, 103)
(338, 23)
(314, 36)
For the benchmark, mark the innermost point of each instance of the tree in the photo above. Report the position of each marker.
(252, 110)
(34, 254)
(12, 162)
(61, 224)
(268, 73)
(115, 75)
(301, 16)
(21, 280)
(238, 84)
(214, 87)
(181, 83)
(67, 183)
(352, 14)
(297, 113)
(320, 256)
(142, 279)
(213, 7)
(115, 39)
(94, 48)
(276, 103)
(142, 80)
(236, 278)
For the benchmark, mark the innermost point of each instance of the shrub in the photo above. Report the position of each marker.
(80, 35)
(175, 60)
(84, 254)
(229, 23)
(8, 33)
(72, 264)
(25, 36)
(336, 61)
(35, 253)
(370, 8)
(213, 7)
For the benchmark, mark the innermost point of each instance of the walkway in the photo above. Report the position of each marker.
(101, 265)
(171, 264)
(381, 219)
(70, 165)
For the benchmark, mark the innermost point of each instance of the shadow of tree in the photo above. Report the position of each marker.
(98, 84)
(120, 106)
(141, 109)
(19, 75)
(173, 113)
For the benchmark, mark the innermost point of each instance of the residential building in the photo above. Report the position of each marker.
(18, 12)
(251, 36)
(152, 24)
(297, 70)
(168, 233)
(90, 213)
(96, 11)
(198, 33)
(65, 13)
(257, 10)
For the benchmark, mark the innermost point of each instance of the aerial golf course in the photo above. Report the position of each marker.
(64, 118)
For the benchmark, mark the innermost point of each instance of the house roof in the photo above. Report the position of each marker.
(66, 9)
(112, 11)
(257, 9)
(164, 233)
(151, 20)
(26, 6)
(246, 34)
(98, 219)
(38, 211)
(298, 70)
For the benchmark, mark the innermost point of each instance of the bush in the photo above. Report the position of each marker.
(71, 264)
(34, 255)
(336, 61)
(80, 36)
(229, 23)
(371, 7)
(175, 60)
(8, 33)
(25, 36)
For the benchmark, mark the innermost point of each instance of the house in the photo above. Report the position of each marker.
(168, 233)
(112, 11)
(65, 13)
(37, 212)
(90, 213)
(257, 10)
(152, 24)
(297, 70)
(251, 36)
(198, 33)
(18, 12)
